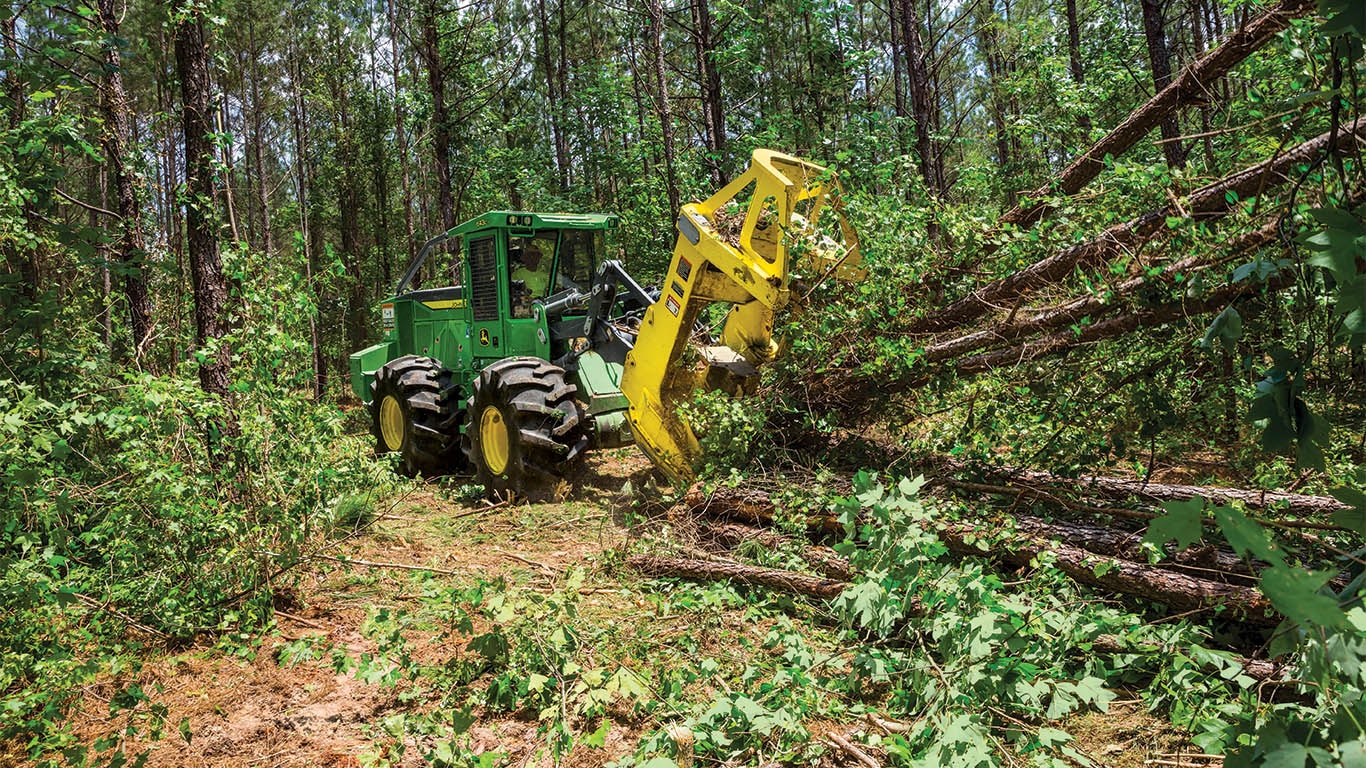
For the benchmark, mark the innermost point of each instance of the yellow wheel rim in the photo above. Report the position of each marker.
(391, 422)
(493, 440)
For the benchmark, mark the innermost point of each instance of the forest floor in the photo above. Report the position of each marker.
(256, 703)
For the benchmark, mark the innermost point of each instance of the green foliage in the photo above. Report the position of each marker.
(138, 514)
(530, 654)
(726, 428)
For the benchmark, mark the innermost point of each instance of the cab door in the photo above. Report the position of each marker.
(488, 298)
(527, 332)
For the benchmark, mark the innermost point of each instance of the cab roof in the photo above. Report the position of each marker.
(534, 220)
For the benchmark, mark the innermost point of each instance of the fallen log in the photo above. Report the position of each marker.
(710, 570)
(747, 506)
(1088, 306)
(1192, 84)
(1115, 327)
(1211, 201)
(1128, 545)
(1257, 669)
(1176, 590)
(823, 560)
(1121, 488)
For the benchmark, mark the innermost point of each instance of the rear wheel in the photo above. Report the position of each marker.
(417, 411)
(526, 428)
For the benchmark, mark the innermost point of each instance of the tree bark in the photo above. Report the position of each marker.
(1190, 86)
(209, 286)
(1113, 328)
(1208, 202)
(401, 137)
(666, 121)
(553, 76)
(441, 131)
(131, 247)
(267, 240)
(1120, 488)
(709, 570)
(709, 78)
(1159, 59)
(922, 97)
(304, 183)
(1091, 306)
(1178, 591)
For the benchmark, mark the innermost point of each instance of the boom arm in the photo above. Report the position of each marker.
(783, 200)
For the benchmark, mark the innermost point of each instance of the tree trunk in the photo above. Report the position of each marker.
(552, 90)
(989, 40)
(666, 122)
(922, 98)
(131, 247)
(709, 77)
(209, 286)
(304, 183)
(401, 137)
(1074, 60)
(441, 130)
(1120, 488)
(267, 240)
(999, 334)
(1159, 59)
(1177, 591)
(1152, 317)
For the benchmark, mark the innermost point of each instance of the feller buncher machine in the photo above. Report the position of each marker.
(543, 349)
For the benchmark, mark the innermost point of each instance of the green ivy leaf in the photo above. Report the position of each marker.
(1295, 593)
(1182, 523)
(1312, 433)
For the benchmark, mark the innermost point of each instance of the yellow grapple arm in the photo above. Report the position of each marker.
(739, 247)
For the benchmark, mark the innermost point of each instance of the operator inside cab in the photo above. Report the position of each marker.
(531, 269)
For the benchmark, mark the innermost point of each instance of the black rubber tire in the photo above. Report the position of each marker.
(546, 428)
(433, 410)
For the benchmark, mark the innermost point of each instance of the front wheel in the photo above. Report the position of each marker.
(525, 427)
(416, 411)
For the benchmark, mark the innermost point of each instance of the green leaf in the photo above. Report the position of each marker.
(1227, 328)
(1287, 754)
(748, 708)
(1352, 754)
(1351, 304)
(1091, 690)
(597, 738)
(462, 719)
(1355, 516)
(1336, 250)
(1181, 523)
(1246, 536)
(1295, 593)
(1339, 218)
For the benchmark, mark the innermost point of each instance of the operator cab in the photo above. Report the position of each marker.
(550, 262)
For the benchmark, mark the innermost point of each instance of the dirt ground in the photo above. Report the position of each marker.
(251, 709)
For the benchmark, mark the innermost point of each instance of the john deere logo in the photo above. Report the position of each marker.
(483, 337)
